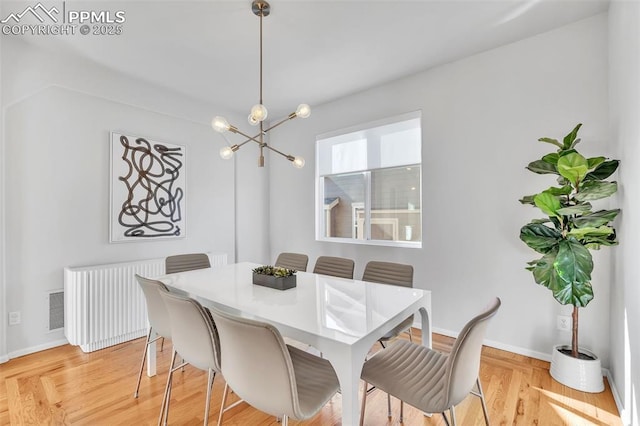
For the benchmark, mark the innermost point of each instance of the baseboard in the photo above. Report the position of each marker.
(502, 346)
(616, 397)
(38, 348)
(4, 359)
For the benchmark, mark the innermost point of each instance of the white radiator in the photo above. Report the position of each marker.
(104, 305)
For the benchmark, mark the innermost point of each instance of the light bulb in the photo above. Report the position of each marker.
(220, 124)
(226, 152)
(298, 162)
(259, 112)
(303, 111)
(252, 120)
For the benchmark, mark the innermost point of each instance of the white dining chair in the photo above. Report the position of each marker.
(427, 379)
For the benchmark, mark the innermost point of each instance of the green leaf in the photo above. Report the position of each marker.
(577, 294)
(527, 199)
(570, 275)
(548, 203)
(573, 166)
(573, 262)
(568, 141)
(594, 243)
(545, 274)
(578, 209)
(567, 152)
(542, 167)
(551, 158)
(599, 218)
(565, 190)
(539, 237)
(603, 171)
(546, 220)
(551, 141)
(581, 233)
(595, 190)
(595, 161)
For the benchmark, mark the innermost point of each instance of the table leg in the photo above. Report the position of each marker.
(426, 328)
(151, 359)
(348, 370)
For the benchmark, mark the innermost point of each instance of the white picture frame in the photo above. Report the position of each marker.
(148, 189)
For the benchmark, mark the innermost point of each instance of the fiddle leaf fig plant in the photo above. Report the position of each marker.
(571, 228)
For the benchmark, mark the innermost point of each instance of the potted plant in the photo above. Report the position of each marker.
(564, 237)
(274, 277)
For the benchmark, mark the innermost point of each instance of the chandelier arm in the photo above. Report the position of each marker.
(284, 120)
(245, 142)
(288, 157)
(252, 138)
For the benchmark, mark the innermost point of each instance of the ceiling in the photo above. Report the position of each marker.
(314, 51)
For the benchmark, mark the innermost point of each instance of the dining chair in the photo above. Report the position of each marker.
(186, 262)
(295, 261)
(334, 266)
(395, 274)
(427, 379)
(268, 374)
(195, 338)
(157, 316)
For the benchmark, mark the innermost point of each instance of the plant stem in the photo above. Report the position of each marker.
(574, 334)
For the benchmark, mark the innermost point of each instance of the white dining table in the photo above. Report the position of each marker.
(341, 318)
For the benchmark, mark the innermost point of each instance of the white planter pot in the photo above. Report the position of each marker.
(582, 374)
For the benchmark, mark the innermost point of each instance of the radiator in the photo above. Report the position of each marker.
(104, 305)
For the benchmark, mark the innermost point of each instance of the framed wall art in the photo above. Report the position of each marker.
(147, 189)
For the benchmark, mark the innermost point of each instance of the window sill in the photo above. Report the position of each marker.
(385, 243)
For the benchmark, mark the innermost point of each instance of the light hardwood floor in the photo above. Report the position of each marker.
(66, 386)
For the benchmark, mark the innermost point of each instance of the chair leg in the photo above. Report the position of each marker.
(364, 402)
(446, 420)
(144, 356)
(452, 410)
(482, 400)
(401, 411)
(224, 401)
(212, 376)
(162, 345)
(285, 420)
(389, 406)
(164, 407)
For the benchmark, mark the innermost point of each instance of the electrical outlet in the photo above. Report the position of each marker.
(563, 323)
(14, 318)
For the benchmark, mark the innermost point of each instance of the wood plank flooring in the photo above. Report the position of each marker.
(64, 386)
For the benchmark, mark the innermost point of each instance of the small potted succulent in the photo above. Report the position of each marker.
(564, 238)
(274, 277)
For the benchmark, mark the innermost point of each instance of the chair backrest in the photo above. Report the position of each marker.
(463, 364)
(295, 261)
(156, 309)
(193, 332)
(334, 266)
(388, 273)
(186, 262)
(256, 364)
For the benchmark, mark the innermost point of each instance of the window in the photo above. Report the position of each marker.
(369, 183)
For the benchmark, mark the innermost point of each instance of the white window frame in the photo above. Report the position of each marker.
(321, 212)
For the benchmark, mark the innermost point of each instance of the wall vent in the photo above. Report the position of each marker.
(55, 303)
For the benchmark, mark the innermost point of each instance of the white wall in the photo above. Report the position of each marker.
(482, 117)
(624, 79)
(3, 310)
(57, 114)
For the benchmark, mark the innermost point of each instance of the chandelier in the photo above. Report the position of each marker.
(259, 112)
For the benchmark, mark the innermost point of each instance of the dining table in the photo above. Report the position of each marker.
(341, 318)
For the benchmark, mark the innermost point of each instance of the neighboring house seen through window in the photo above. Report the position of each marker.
(369, 183)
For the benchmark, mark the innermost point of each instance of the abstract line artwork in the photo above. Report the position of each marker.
(147, 189)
